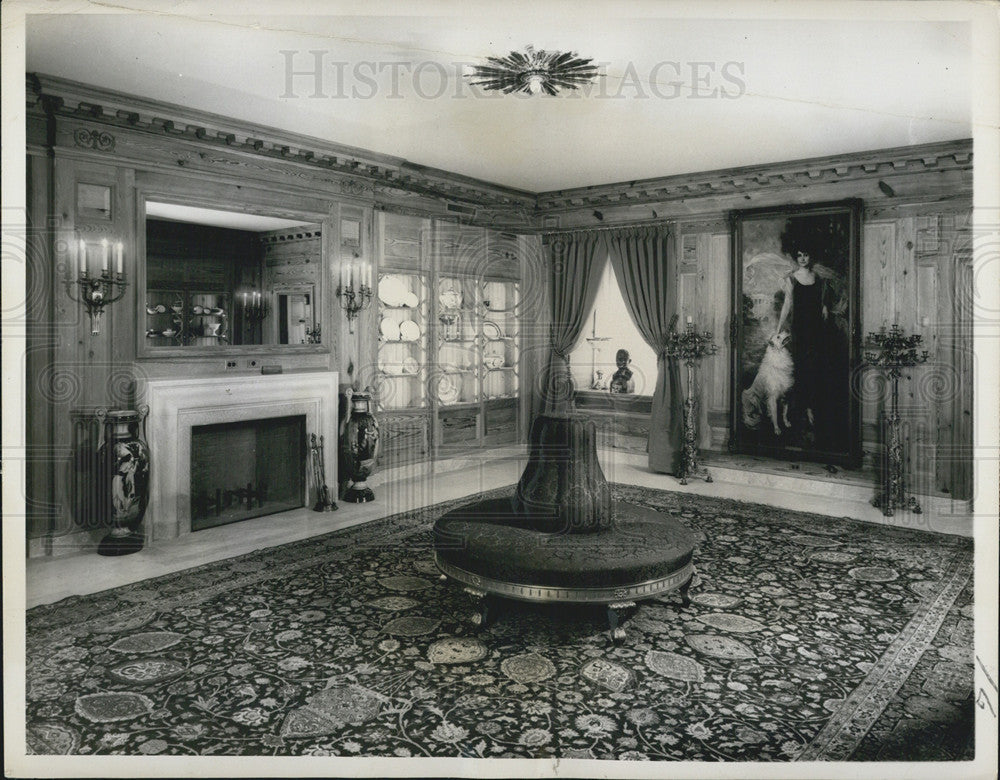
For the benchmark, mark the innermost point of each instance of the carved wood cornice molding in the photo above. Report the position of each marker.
(394, 184)
(363, 170)
(943, 156)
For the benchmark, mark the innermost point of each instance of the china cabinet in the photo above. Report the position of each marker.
(477, 381)
(448, 349)
(403, 302)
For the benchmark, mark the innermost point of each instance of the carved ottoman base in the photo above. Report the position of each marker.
(486, 548)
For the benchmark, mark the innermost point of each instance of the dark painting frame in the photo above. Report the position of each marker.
(819, 414)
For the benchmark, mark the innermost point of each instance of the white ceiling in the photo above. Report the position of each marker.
(811, 87)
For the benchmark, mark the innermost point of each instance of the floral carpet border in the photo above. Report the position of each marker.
(842, 734)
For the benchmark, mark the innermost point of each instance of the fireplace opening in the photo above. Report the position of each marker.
(247, 469)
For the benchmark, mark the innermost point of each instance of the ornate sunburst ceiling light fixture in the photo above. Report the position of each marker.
(534, 71)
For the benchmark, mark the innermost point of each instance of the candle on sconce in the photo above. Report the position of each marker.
(344, 273)
(244, 300)
(119, 262)
(82, 257)
(689, 320)
(104, 255)
(368, 274)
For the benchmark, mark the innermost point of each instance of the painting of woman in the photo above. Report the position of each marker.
(796, 306)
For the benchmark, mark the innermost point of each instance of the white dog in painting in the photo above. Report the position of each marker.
(769, 390)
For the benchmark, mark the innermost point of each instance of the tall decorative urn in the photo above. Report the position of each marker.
(124, 456)
(359, 441)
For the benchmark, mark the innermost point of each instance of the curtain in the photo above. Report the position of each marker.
(575, 262)
(644, 264)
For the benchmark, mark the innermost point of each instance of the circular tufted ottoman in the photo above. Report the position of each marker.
(561, 538)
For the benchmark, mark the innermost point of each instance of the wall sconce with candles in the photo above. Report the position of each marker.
(354, 299)
(96, 292)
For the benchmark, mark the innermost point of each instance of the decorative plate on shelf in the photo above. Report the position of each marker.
(451, 299)
(410, 366)
(411, 300)
(389, 329)
(491, 330)
(409, 330)
(447, 390)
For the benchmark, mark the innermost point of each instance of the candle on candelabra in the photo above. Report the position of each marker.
(689, 319)
(82, 257)
(119, 263)
(345, 272)
(104, 255)
(244, 300)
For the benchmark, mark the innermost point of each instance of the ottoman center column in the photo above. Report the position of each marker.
(562, 488)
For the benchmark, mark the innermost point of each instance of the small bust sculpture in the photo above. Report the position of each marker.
(622, 381)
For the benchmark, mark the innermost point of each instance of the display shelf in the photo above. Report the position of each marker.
(402, 306)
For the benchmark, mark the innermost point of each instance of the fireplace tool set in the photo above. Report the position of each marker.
(323, 501)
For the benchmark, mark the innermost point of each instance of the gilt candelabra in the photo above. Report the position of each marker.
(892, 352)
(355, 298)
(690, 346)
(255, 308)
(97, 292)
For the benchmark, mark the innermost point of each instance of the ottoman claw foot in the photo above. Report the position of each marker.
(616, 616)
(685, 598)
(481, 604)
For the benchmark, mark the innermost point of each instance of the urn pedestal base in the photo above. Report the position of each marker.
(121, 541)
(359, 493)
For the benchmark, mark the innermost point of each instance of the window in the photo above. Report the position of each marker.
(610, 328)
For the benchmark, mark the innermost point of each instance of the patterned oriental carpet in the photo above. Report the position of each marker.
(807, 639)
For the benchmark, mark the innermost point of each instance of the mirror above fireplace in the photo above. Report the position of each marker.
(218, 281)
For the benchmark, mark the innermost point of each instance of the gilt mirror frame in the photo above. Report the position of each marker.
(819, 414)
(243, 200)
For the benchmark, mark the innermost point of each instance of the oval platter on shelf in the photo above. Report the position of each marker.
(392, 291)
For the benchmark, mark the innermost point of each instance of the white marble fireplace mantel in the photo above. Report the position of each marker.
(177, 405)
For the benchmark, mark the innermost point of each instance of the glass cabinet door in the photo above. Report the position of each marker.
(458, 364)
(402, 345)
(165, 320)
(207, 319)
(500, 356)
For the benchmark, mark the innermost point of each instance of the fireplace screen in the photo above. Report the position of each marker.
(247, 469)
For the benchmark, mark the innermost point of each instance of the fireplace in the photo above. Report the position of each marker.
(246, 469)
(251, 408)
